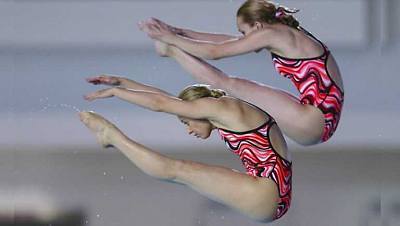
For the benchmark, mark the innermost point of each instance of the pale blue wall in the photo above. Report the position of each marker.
(49, 161)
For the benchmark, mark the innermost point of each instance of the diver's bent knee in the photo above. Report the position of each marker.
(309, 141)
(311, 127)
(308, 138)
(264, 216)
(263, 203)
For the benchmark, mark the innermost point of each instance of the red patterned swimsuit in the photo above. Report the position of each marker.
(316, 87)
(261, 160)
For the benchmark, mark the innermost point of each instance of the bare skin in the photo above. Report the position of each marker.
(306, 129)
(283, 40)
(224, 112)
(112, 80)
(277, 38)
(196, 35)
(257, 197)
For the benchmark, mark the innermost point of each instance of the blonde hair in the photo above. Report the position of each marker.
(266, 11)
(197, 91)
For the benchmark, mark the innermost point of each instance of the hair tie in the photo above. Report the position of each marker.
(279, 14)
(284, 12)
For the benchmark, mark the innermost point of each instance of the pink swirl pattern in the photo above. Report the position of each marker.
(311, 78)
(261, 160)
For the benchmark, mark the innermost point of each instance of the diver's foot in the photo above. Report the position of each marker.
(106, 132)
(162, 48)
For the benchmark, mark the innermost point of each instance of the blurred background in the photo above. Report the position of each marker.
(52, 172)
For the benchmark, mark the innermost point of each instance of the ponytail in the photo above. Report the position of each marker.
(217, 93)
(197, 91)
(284, 15)
(265, 11)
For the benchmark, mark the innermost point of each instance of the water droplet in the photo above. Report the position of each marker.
(98, 215)
(57, 106)
(222, 217)
(122, 178)
(76, 109)
(104, 173)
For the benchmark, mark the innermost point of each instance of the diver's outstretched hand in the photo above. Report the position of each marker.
(171, 28)
(155, 21)
(157, 29)
(100, 94)
(104, 80)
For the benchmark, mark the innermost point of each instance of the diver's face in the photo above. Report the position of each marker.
(245, 28)
(198, 128)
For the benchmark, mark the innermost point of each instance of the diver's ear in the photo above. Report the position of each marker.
(258, 25)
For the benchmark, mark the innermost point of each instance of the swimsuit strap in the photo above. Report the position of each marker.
(266, 113)
(316, 39)
(268, 123)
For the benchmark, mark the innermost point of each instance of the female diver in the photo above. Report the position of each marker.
(296, 54)
(263, 193)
